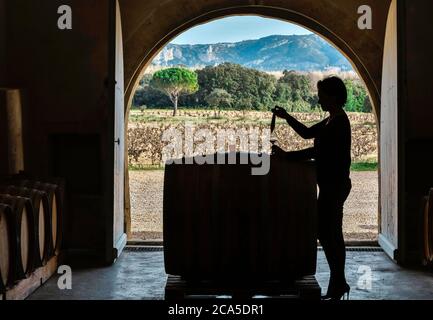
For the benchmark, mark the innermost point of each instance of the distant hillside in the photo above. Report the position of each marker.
(273, 53)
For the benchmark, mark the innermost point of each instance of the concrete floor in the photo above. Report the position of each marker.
(140, 275)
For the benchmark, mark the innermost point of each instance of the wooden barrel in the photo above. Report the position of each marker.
(22, 234)
(41, 213)
(220, 221)
(428, 227)
(55, 196)
(6, 247)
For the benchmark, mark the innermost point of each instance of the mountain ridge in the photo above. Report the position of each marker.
(270, 53)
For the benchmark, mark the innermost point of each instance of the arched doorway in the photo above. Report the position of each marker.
(132, 77)
(148, 31)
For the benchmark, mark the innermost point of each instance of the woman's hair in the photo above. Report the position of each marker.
(334, 86)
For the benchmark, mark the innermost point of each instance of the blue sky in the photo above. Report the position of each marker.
(237, 28)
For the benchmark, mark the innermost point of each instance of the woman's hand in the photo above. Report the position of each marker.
(277, 151)
(280, 112)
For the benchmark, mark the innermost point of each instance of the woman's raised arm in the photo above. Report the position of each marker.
(301, 129)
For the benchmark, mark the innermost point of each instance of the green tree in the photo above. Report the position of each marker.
(295, 89)
(241, 83)
(152, 98)
(283, 93)
(139, 96)
(175, 82)
(248, 88)
(217, 99)
(367, 105)
(145, 80)
(357, 97)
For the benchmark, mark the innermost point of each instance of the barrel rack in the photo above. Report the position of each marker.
(27, 286)
(306, 288)
(31, 225)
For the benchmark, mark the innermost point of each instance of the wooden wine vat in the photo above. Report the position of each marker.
(222, 222)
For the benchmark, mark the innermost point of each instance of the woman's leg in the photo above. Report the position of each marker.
(330, 211)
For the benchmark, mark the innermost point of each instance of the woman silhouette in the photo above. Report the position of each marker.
(331, 151)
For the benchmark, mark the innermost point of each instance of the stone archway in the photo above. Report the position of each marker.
(149, 26)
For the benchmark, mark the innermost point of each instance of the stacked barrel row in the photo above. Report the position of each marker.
(30, 227)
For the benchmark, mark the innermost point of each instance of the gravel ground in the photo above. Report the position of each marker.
(361, 208)
(146, 189)
(360, 217)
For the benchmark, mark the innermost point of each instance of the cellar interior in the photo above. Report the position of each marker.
(65, 95)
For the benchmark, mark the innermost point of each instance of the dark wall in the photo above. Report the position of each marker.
(2, 42)
(416, 118)
(66, 109)
(3, 132)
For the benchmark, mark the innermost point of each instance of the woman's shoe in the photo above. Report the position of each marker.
(338, 293)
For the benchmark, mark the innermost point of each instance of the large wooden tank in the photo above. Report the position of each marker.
(222, 222)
